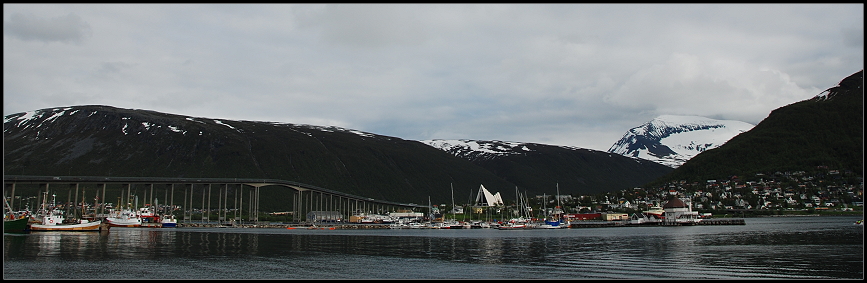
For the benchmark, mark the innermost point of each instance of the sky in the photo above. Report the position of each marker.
(577, 75)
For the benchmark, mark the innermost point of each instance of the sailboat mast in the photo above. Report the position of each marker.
(453, 199)
(558, 195)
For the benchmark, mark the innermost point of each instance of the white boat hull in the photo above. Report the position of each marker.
(90, 226)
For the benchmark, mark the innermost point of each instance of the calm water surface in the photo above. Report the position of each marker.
(768, 248)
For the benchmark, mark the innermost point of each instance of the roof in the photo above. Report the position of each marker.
(674, 203)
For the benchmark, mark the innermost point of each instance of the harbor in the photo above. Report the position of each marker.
(328, 214)
(765, 248)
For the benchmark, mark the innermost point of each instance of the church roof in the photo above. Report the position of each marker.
(674, 203)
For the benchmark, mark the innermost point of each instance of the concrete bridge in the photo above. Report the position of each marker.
(305, 198)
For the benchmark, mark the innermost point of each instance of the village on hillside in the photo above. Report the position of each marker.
(761, 194)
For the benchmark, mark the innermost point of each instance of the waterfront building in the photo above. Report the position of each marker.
(324, 216)
(676, 212)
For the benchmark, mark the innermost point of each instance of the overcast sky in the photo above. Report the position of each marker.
(562, 74)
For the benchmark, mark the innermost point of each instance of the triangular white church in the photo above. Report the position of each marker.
(485, 198)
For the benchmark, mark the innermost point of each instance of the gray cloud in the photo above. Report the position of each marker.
(67, 29)
(853, 37)
(567, 74)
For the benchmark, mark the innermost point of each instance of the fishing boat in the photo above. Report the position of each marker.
(124, 218)
(13, 222)
(15, 225)
(49, 218)
(54, 222)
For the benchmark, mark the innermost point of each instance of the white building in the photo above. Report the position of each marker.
(485, 198)
(679, 213)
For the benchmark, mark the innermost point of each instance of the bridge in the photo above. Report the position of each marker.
(305, 198)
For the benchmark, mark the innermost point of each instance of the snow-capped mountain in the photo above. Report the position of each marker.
(476, 150)
(672, 140)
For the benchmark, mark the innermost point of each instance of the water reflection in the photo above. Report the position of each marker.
(777, 248)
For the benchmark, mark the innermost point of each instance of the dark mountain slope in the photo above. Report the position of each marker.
(827, 130)
(108, 141)
(538, 168)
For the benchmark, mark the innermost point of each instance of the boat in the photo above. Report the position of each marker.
(168, 221)
(552, 221)
(512, 226)
(417, 225)
(454, 225)
(654, 211)
(860, 222)
(15, 225)
(124, 218)
(54, 222)
(549, 224)
(479, 225)
(14, 222)
(49, 218)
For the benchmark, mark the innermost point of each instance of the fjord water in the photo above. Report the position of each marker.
(764, 248)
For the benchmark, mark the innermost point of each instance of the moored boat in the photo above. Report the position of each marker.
(54, 222)
(15, 225)
(654, 211)
(124, 218)
(14, 222)
(168, 221)
(549, 225)
(512, 226)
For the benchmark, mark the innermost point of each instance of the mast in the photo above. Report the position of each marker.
(558, 194)
(453, 199)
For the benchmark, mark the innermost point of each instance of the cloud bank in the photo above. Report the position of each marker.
(565, 74)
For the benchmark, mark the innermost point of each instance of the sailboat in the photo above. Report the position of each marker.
(452, 223)
(520, 222)
(552, 221)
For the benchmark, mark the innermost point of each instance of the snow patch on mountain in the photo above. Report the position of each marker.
(475, 149)
(672, 140)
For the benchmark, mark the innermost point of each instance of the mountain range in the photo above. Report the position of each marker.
(97, 140)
